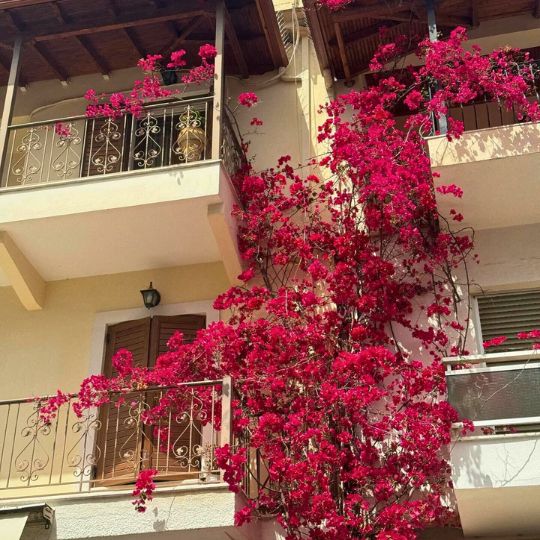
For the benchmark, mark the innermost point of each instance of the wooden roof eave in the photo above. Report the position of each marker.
(182, 17)
(339, 36)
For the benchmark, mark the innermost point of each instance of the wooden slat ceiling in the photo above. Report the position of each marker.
(345, 40)
(66, 38)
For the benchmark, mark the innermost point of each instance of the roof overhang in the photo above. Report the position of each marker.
(66, 38)
(346, 39)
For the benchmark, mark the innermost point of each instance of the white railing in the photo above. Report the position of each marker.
(499, 389)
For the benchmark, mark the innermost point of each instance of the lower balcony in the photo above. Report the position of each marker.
(496, 468)
(118, 195)
(84, 467)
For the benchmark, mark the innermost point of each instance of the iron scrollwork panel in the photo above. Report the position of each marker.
(39, 154)
(104, 151)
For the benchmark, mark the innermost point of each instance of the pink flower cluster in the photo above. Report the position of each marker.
(341, 269)
(150, 88)
(144, 489)
(248, 99)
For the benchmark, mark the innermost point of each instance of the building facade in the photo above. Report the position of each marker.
(88, 222)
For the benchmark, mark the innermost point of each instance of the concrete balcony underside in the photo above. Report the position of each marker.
(497, 485)
(497, 168)
(123, 222)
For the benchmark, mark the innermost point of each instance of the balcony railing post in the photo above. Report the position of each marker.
(439, 120)
(9, 101)
(226, 418)
(218, 80)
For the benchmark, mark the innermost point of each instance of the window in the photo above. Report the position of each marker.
(506, 314)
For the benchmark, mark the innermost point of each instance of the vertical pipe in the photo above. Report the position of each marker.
(9, 100)
(440, 121)
(218, 80)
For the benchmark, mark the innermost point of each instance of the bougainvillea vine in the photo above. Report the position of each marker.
(348, 303)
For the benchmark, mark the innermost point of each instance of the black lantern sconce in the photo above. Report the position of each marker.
(151, 297)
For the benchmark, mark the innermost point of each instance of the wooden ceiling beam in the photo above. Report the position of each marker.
(380, 10)
(40, 50)
(96, 56)
(365, 33)
(17, 26)
(135, 43)
(182, 36)
(8, 4)
(232, 38)
(419, 17)
(84, 42)
(267, 17)
(129, 20)
(475, 16)
(343, 53)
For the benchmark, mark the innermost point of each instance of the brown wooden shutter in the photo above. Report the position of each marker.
(164, 327)
(120, 437)
(177, 457)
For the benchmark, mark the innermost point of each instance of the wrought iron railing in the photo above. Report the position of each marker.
(110, 444)
(483, 112)
(173, 134)
(232, 153)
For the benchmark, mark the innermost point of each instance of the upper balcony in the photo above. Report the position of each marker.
(496, 468)
(123, 194)
(495, 162)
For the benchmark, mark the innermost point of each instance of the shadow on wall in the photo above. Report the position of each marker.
(485, 144)
(467, 463)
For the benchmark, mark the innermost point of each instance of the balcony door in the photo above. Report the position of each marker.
(125, 444)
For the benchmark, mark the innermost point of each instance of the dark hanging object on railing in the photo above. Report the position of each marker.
(169, 76)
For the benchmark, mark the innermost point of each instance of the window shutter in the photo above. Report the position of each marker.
(506, 314)
(177, 455)
(164, 327)
(119, 440)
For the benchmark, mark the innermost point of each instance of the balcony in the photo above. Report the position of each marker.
(121, 195)
(120, 184)
(496, 468)
(164, 136)
(494, 162)
(88, 464)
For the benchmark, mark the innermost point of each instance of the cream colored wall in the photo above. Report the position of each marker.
(289, 107)
(50, 349)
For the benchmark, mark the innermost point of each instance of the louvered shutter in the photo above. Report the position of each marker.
(120, 442)
(506, 314)
(176, 454)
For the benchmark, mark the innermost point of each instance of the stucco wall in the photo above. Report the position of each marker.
(50, 349)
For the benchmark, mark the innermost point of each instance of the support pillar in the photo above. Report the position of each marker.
(9, 100)
(440, 121)
(219, 80)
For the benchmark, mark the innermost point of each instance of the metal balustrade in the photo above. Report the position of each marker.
(108, 445)
(498, 389)
(164, 135)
